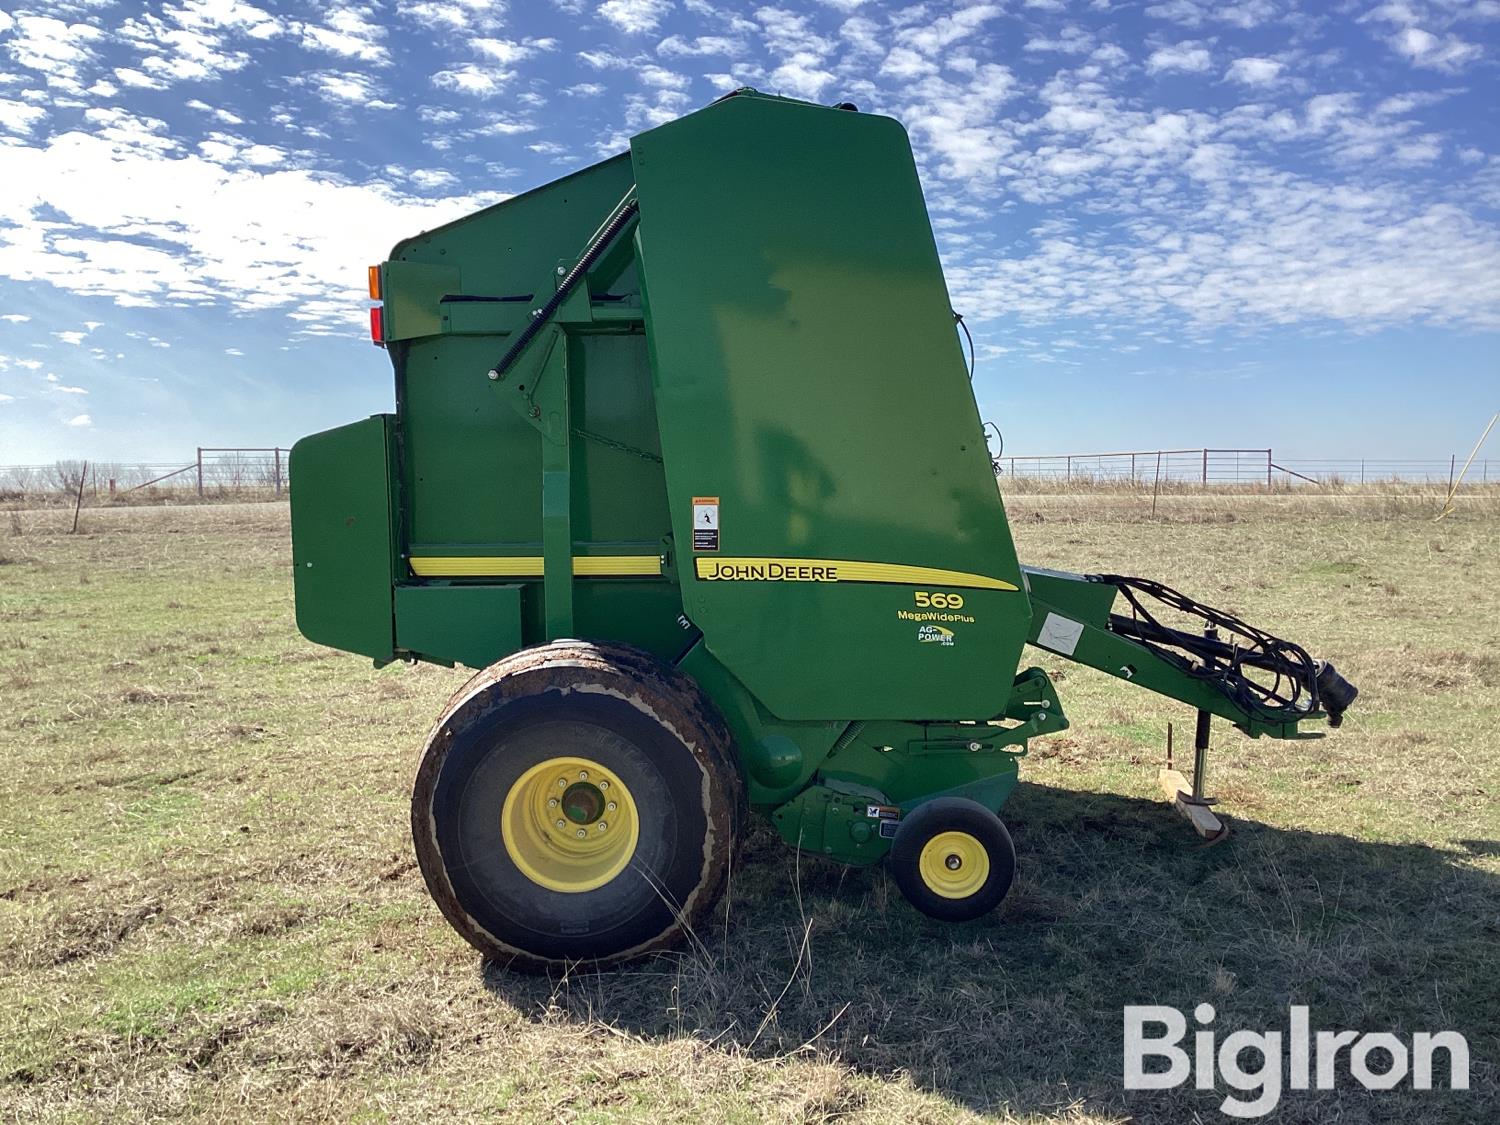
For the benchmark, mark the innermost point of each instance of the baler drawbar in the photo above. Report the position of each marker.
(686, 462)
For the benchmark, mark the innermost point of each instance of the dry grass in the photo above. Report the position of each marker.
(208, 907)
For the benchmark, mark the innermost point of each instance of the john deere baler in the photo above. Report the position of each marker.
(685, 460)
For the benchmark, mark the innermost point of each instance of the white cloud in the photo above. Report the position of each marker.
(1192, 13)
(481, 82)
(15, 318)
(604, 60)
(236, 235)
(79, 420)
(193, 42)
(1072, 40)
(1254, 71)
(74, 338)
(7, 398)
(801, 76)
(432, 178)
(1425, 49)
(676, 46)
(932, 36)
(454, 15)
(346, 87)
(62, 389)
(503, 50)
(19, 117)
(635, 17)
(349, 32)
(131, 77)
(1187, 57)
(230, 15)
(787, 32)
(57, 50)
(660, 76)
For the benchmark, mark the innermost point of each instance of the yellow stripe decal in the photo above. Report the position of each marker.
(530, 566)
(714, 569)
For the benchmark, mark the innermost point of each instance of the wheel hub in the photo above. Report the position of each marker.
(954, 864)
(569, 824)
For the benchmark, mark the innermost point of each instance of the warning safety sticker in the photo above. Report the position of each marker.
(705, 523)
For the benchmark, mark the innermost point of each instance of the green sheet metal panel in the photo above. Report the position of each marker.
(473, 625)
(809, 380)
(342, 550)
(470, 465)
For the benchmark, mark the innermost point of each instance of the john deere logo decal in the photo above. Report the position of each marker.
(934, 635)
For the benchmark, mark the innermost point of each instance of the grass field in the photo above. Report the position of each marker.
(208, 905)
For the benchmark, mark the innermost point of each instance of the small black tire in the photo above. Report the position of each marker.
(953, 859)
(489, 785)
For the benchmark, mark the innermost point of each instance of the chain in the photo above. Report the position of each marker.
(643, 454)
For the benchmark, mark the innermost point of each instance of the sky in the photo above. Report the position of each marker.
(1168, 222)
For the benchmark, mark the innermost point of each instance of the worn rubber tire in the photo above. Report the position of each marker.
(952, 814)
(638, 717)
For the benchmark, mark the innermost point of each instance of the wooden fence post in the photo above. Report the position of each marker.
(200, 472)
(276, 454)
(78, 504)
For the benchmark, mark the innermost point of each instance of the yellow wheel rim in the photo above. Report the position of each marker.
(954, 864)
(569, 824)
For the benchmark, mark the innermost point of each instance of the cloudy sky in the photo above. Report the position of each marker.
(1168, 221)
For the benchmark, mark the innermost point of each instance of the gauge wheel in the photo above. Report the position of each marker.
(577, 803)
(953, 859)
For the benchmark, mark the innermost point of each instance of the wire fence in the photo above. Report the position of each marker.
(1234, 467)
(215, 473)
(212, 474)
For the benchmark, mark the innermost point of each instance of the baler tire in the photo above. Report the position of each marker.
(958, 835)
(606, 715)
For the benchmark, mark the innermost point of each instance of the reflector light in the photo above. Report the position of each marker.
(377, 327)
(374, 283)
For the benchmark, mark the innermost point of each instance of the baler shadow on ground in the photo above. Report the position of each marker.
(1117, 903)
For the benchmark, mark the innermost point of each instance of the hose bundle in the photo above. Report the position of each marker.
(1224, 653)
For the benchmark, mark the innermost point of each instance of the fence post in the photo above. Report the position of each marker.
(200, 472)
(83, 479)
(1361, 470)
(1268, 469)
(1070, 468)
(1205, 466)
(1452, 465)
(276, 454)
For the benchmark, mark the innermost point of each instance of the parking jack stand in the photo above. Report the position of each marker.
(1190, 801)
